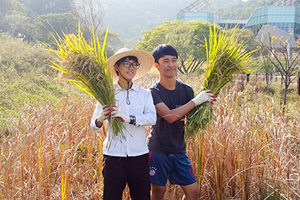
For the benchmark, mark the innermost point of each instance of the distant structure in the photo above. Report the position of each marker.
(281, 17)
(200, 10)
(284, 3)
(268, 31)
(197, 6)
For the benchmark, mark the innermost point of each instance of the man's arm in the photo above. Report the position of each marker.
(175, 114)
(148, 117)
(100, 114)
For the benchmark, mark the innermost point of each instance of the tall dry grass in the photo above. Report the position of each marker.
(52, 154)
(250, 151)
(248, 155)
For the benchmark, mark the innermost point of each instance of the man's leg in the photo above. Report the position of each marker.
(114, 174)
(160, 167)
(138, 178)
(158, 192)
(191, 192)
(184, 176)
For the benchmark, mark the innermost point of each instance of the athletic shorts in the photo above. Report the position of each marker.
(175, 167)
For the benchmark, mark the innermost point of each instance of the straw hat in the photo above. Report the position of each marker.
(144, 58)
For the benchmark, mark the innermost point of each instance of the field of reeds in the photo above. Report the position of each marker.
(250, 151)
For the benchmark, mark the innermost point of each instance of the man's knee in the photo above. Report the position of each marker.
(191, 191)
(158, 192)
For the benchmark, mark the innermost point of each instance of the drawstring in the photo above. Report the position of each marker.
(127, 95)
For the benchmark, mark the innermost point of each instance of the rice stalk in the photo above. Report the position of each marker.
(40, 164)
(63, 180)
(86, 66)
(226, 56)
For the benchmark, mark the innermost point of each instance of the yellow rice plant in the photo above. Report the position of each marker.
(226, 56)
(86, 66)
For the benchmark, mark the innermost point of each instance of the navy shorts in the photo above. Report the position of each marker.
(175, 167)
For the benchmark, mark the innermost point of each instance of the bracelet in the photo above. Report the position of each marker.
(132, 119)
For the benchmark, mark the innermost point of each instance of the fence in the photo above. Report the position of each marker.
(254, 78)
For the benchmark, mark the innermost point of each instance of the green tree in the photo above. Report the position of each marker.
(248, 37)
(200, 33)
(43, 7)
(186, 37)
(18, 26)
(57, 24)
(5, 6)
(16, 21)
(180, 36)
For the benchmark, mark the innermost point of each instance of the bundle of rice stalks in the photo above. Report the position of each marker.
(225, 56)
(86, 66)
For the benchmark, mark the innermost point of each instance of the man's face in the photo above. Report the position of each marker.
(127, 69)
(167, 66)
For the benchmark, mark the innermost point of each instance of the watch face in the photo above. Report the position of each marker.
(132, 119)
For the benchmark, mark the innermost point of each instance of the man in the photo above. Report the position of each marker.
(125, 155)
(173, 100)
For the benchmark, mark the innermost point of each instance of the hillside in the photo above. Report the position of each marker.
(26, 79)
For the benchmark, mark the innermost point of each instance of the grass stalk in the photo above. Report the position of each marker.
(40, 164)
(63, 178)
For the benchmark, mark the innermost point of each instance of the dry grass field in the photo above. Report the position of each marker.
(250, 151)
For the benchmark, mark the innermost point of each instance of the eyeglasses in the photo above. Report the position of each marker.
(127, 64)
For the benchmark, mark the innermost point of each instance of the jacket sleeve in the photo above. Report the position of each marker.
(97, 111)
(148, 118)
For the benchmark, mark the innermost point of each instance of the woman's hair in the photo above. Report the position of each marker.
(163, 50)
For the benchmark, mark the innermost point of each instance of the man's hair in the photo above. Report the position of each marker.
(119, 62)
(164, 50)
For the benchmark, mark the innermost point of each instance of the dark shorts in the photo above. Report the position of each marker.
(175, 167)
(117, 171)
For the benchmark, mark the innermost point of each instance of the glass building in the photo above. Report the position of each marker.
(205, 17)
(282, 15)
(200, 10)
(285, 18)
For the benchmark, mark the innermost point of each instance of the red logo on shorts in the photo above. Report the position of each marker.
(152, 171)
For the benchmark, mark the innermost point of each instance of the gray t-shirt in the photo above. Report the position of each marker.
(165, 137)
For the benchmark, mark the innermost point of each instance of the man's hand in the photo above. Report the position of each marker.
(204, 96)
(117, 113)
(104, 114)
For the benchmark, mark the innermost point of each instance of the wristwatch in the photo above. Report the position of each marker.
(132, 119)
